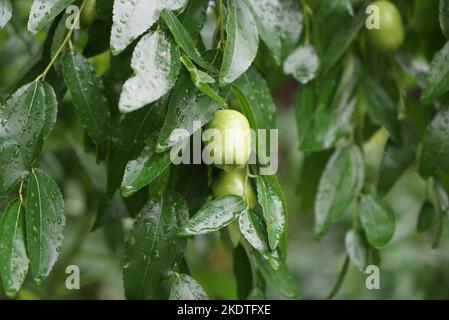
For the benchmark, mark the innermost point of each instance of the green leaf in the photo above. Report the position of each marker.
(281, 279)
(214, 216)
(441, 195)
(143, 170)
(194, 17)
(44, 11)
(291, 25)
(131, 18)
(427, 217)
(88, 97)
(266, 14)
(13, 256)
(253, 229)
(151, 247)
(45, 222)
(186, 288)
(356, 248)
(184, 40)
(434, 153)
(271, 198)
(377, 220)
(25, 121)
(256, 100)
(132, 133)
(438, 77)
(444, 17)
(186, 106)
(242, 272)
(381, 108)
(397, 158)
(302, 64)
(5, 12)
(241, 44)
(156, 64)
(340, 183)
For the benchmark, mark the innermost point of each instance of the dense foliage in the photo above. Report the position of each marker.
(92, 90)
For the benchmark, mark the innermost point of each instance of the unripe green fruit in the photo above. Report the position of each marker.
(89, 13)
(234, 148)
(233, 183)
(390, 35)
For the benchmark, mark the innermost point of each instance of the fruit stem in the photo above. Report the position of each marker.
(61, 47)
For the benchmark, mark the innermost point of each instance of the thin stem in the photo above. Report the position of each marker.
(340, 279)
(221, 22)
(63, 44)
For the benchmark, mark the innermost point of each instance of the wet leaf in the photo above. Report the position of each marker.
(5, 12)
(438, 77)
(156, 64)
(131, 18)
(271, 198)
(151, 247)
(13, 256)
(291, 25)
(266, 14)
(88, 97)
(25, 121)
(194, 17)
(241, 44)
(356, 248)
(434, 153)
(45, 222)
(44, 11)
(377, 220)
(340, 183)
(302, 64)
(186, 288)
(444, 16)
(214, 216)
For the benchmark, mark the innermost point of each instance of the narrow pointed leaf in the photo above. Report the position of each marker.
(44, 11)
(143, 170)
(25, 121)
(438, 77)
(241, 44)
(186, 288)
(213, 216)
(131, 18)
(271, 198)
(156, 64)
(45, 222)
(151, 247)
(377, 220)
(427, 217)
(444, 17)
(184, 40)
(13, 256)
(241, 266)
(89, 99)
(340, 183)
(356, 248)
(5, 12)
(266, 14)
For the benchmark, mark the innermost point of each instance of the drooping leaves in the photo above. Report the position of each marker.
(438, 76)
(397, 158)
(241, 44)
(302, 64)
(444, 16)
(88, 97)
(291, 25)
(156, 64)
(184, 40)
(271, 198)
(377, 219)
(5, 12)
(194, 17)
(266, 14)
(427, 217)
(187, 108)
(340, 183)
(213, 216)
(25, 122)
(434, 153)
(13, 256)
(44, 11)
(131, 18)
(186, 288)
(151, 247)
(45, 222)
(356, 248)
